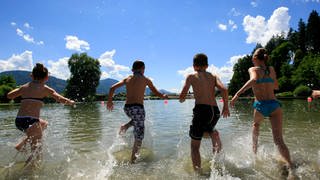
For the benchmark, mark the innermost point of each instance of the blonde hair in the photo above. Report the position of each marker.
(261, 54)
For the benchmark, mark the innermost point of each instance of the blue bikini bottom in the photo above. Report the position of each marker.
(266, 107)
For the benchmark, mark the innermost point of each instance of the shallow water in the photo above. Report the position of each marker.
(80, 143)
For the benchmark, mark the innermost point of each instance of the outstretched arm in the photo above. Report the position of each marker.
(245, 87)
(224, 91)
(59, 98)
(14, 93)
(185, 89)
(273, 75)
(155, 91)
(111, 92)
(315, 93)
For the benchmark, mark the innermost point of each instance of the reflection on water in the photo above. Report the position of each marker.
(82, 143)
(85, 127)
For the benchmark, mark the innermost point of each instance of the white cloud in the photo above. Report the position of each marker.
(27, 25)
(317, 1)
(231, 25)
(261, 31)
(27, 37)
(21, 61)
(254, 4)
(222, 27)
(113, 70)
(13, 24)
(234, 12)
(73, 43)
(225, 72)
(59, 68)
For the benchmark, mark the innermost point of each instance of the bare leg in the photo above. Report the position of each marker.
(23, 142)
(34, 133)
(195, 155)
(124, 127)
(216, 142)
(135, 149)
(20, 146)
(276, 123)
(258, 118)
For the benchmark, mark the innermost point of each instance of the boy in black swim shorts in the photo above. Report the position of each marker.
(135, 86)
(206, 112)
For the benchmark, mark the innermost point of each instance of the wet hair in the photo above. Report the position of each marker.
(137, 65)
(39, 72)
(261, 54)
(200, 59)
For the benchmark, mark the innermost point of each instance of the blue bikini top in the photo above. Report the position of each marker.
(265, 79)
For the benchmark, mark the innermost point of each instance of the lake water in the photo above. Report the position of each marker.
(80, 143)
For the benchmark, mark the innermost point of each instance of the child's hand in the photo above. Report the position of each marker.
(72, 102)
(181, 100)
(225, 111)
(233, 100)
(110, 105)
(315, 94)
(164, 96)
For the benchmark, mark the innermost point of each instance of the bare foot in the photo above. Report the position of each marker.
(123, 129)
(20, 147)
(217, 145)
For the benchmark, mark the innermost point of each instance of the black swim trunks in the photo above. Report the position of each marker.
(205, 118)
(24, 122)
(137, 115)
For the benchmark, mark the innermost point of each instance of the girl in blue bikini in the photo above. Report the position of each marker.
(28, 117)
(263, 83)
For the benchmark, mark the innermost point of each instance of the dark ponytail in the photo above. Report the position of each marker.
(39, 72)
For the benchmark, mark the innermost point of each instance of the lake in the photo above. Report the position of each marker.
(82, 142)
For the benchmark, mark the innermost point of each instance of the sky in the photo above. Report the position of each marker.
(165, 34)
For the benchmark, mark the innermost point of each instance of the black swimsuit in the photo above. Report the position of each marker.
(205, 118)
(24, 122)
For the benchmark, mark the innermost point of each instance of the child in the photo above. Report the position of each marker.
(263, 82)
(135, 86)
(206, 112)
(315, 94)
(28, 118)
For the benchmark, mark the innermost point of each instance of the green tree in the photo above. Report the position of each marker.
(7, 83)
(240, 75)
(274, 42)
(280, 55)
(308, 72)
(285, 83)
(84, 79)
(302, 36)
(313, 32)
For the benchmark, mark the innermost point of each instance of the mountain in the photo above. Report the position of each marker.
(59, 85)
(23, 77)
(105, 84)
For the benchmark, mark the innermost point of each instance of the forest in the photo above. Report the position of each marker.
(295, 58)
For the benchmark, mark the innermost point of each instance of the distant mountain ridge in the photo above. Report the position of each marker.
(59, 85)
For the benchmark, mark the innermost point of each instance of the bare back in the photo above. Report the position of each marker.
(264, 91)
(28, 92)
(203, 85)
(135, 86)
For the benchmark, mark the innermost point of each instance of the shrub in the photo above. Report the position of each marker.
(303, 91)
(285, 94)
(4, 89)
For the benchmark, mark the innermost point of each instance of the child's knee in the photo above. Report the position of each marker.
(255, 124)
(43, 123)
(215, 133)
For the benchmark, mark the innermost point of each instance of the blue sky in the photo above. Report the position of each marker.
(165, 34)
